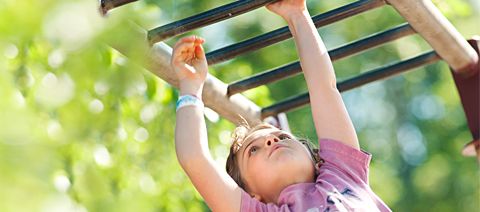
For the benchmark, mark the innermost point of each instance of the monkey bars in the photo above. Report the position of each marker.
(283, 33)
(370, 76)
(422, 17)
(335, 54)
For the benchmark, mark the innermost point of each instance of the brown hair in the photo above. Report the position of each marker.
(238, 138)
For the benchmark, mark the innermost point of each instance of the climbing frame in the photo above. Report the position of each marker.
(421, 15)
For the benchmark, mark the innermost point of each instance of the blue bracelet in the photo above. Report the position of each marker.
(188, 100)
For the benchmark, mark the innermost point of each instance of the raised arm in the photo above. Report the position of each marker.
(330, 116)
(219, 190)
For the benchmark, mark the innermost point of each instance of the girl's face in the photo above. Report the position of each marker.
(270, 160)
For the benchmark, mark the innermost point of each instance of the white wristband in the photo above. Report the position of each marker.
(188, 100)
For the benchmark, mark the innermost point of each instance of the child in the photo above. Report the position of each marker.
(269, 169)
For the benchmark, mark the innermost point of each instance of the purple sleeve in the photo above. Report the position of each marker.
(251, 204)
(344, 160)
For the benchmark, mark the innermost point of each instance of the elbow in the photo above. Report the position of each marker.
(333, 83)
(324, 85)
(192, 165)
(184, 157)
(186, 162)
(324, 80)
(188, 157)
(329, 82)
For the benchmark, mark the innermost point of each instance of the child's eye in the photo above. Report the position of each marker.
(283, 136)
(253, 150)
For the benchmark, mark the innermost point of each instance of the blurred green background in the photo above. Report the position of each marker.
(84, 128)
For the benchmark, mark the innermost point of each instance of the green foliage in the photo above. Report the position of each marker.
(84, 128)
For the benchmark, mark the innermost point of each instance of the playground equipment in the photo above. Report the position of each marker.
(421, 15)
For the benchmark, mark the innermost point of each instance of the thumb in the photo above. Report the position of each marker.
(199, 52)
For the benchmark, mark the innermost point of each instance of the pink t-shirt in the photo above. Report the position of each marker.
(342, 185)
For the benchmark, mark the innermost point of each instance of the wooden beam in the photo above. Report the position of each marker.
(427, 20)
(157, 60)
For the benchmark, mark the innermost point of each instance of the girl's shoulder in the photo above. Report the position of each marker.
(343, 160)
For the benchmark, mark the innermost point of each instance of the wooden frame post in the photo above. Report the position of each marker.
(427, 20)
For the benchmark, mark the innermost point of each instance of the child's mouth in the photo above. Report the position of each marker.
(278, 146)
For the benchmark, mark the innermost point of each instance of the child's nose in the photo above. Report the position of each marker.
(270, 140)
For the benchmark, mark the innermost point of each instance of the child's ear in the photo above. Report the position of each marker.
(256, 196)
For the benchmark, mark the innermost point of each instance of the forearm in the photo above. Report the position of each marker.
(329, 113)
(194, 156)
(191, 141)
(316, 64)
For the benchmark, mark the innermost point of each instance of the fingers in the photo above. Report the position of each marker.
(190, 39)
(188, 48)
(188, 44)
(193, 38)
(199, 52)
(183, 52)
(184, 48)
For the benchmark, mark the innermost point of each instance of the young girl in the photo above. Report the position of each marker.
(269, 169)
